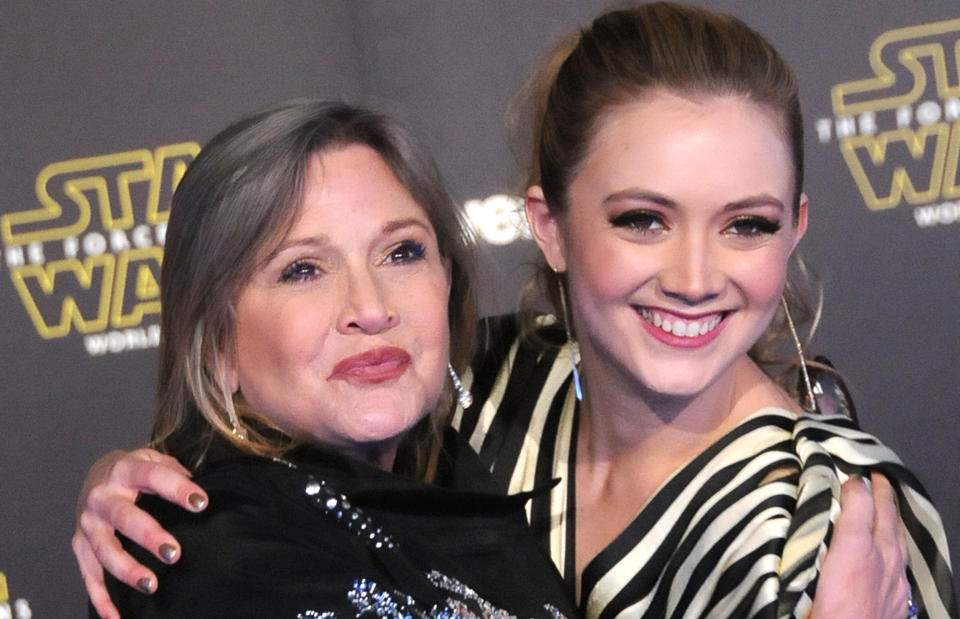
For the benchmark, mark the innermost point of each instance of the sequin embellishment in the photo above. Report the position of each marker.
(369, 600)
(339, 507)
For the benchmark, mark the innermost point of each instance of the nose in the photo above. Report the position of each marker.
(691, 274)
(366, 307)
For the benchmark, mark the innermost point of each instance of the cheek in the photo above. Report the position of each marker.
(609, 270)
(763, 280)
(279, 336)
(424, 305)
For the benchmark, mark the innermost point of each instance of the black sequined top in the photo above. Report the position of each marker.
(323, 535)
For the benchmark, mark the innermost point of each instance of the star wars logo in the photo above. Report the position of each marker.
(87, 258)
(899, 131)
(18, 609)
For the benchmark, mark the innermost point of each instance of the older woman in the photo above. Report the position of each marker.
(313, 261)
(667, 204)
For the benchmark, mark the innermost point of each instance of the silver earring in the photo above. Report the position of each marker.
(236, 428)
(239, 431)
(464, 397)
(577, 389)
(811, 400)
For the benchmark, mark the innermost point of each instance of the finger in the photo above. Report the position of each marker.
(109, 554)
(161, 458)
(857, 510)
(92, 574)
(888, 524)
(111, 513)
(163, 476)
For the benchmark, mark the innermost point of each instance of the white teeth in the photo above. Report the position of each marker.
(680, 327)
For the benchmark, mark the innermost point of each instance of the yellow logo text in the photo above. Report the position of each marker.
(88, 257)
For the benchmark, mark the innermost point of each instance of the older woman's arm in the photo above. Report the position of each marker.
(106, 507)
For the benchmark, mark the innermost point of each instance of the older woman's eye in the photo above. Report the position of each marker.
(640, 220)
(753, 225)
(407, 251)
(299, 271)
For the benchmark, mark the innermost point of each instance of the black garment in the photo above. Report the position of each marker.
(331, 536)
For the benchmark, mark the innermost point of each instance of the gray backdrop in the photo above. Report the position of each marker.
(94, 90)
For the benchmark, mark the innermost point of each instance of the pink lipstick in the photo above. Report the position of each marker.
(373, 366)
(682, 331)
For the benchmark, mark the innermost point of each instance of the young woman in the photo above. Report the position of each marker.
(313, 266)
(667, 201)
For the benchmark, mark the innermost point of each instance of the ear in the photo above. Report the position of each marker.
(801, 220)
(545, 229)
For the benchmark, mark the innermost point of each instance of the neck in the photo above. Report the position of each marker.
(620, 416)
(378, 455)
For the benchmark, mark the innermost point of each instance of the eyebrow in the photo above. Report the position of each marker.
(763, 199)
(321, 240)
(308, 241)
(399, 224)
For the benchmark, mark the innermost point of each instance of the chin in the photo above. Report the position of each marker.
(385, 421)
(381, 429)
(677, 382)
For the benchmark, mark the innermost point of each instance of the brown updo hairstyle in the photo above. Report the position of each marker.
(625, 55)
(240, 197)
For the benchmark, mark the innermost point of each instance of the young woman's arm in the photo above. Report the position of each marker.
(864, 571)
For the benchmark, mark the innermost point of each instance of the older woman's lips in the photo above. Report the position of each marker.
(374, 366)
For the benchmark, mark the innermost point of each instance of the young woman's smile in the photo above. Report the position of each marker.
(683, 331)
(675, 239)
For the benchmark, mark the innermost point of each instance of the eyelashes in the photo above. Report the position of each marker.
(753, 226)
(647, 222)
(306, 269)
(640, 220)
(407, 251)
(300, 270)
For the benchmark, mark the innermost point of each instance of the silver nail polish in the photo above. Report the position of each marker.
(197, 501)
(146, 585)
(168, 552)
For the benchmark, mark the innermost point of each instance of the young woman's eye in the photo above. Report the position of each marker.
(406, 251)
(753, 225)
(640, 221)
(301, 270)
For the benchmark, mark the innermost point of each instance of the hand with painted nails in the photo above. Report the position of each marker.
(106, 506)
(864, 571)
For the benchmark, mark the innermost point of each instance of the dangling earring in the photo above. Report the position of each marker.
(811, 400)
(238, 430)
(235, 426)
(577, 389)
(464, 397)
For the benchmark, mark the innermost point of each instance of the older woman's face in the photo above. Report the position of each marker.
(342, 334)
(676, 239)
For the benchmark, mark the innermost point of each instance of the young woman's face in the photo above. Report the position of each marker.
(342, 334)
(676, 239)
